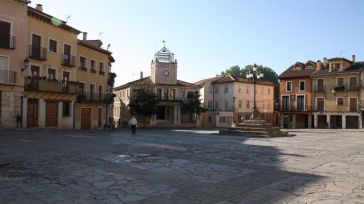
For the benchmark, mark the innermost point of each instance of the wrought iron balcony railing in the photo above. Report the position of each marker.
(68, 60)
(92, 70)
(38, 53)
(82, 68)
(46, 85)
(7, 41)
(8, 77)
(296, 109)
(90, 97)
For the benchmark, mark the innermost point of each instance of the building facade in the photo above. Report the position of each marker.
(337, 93)
(230, 99)
(13, 53)
(94, 90)
(296, 95)
(170, 94)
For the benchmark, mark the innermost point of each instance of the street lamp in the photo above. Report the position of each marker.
(254, 74)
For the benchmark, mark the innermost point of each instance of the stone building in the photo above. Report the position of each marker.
(338, 93)
(296, 95)
(230, 99)
(170, 93)
(13, 53)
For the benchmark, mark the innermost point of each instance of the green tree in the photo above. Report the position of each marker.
(143, 103)
(233, 71)
(192, 105)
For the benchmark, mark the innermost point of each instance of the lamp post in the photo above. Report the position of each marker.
(254, 74)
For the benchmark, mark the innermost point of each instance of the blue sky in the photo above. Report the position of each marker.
(209, 36)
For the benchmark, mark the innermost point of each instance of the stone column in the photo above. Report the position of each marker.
(294, 121)
(343, 121)
(41, 113)
(25, 112)
(309, 121)
(177, 115)
(360, 121)
(328, 120)
(315, 120)
(282, 121)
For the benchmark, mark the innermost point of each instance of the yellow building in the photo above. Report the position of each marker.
(50, 78)
(94, 91)
(13, 40)
(337, 92)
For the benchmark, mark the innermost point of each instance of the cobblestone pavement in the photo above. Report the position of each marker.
(180, 166)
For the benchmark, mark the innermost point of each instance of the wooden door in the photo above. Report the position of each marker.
(32, 113)
(353, 104)
(92, 91)
(99, 120)
(51, 114)
(85, 118)
(35, 77)
(66, 54)
(36, 42)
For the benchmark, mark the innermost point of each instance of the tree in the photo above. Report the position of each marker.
(192, 105)
(143, 103)
(233, 71)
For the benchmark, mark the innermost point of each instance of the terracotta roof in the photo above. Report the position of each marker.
(203, 81)
(93, 45)
(291, 72)
(229, 78)
(148, 81)
(339, 58)
(356, 67)
(48, 19)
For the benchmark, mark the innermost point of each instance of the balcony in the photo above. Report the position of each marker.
(296, 109)
(38, 53)
(68, 60)
(89, 97)
(101, 72)
(92, 70)
(319, 89)
(45, 85)
(82, 68)
(7, 41)
(339, 88)
(354, 88)
(7, 77)
(319, 109)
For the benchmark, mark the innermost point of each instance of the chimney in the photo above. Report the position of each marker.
(353, 59)
(39, 7)
(318, 65)
(84, 36)
(324, 63)
(141, 75)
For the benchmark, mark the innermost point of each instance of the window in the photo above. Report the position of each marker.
(210, 89)
(320, 85)
(52, 46)
(210, 119)
(209, 104)
(66, 109)
(222, 119)
(309, 66)
(100, 92)
(5, 37)
(226, 88)
(297, 67)
(302, 85)
(247, 104)
(353, 83)
(240, 103)
(93, 63)
(339, 101)
(226, 105)
(320, 104)
(300, 103)
(288, 86)
(101, 67)
(51, 74)
(216, 88)
(217, 104)
(268, 91)
(353, 104)
(4, 63)
(159, 94)
(340, 81)
(83, 62)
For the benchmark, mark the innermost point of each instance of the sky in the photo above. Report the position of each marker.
(209, 36)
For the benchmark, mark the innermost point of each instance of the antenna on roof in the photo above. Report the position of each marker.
(68, 17)
(108, 47)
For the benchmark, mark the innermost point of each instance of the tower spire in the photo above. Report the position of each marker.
(164, 43)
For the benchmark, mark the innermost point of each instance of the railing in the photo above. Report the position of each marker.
(353, 109)
(319, 109)
(37, 52)
(319, 88)
(296, 109)
(354, 88)
(68, 60)
(7, 41)
(42, 84)
(101, 72)
(90, 97)
(93, 70)
(174, 99)
(339, 88)
(82, 68)
(7, 77)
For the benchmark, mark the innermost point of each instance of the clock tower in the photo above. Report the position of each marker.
(164, 67)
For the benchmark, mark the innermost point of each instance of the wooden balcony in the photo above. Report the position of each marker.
(45, 85)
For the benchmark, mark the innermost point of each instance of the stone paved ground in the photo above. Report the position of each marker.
(171, 166)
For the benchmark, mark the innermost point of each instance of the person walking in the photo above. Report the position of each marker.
(133, 123)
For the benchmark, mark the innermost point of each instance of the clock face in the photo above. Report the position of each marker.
(165, 72)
